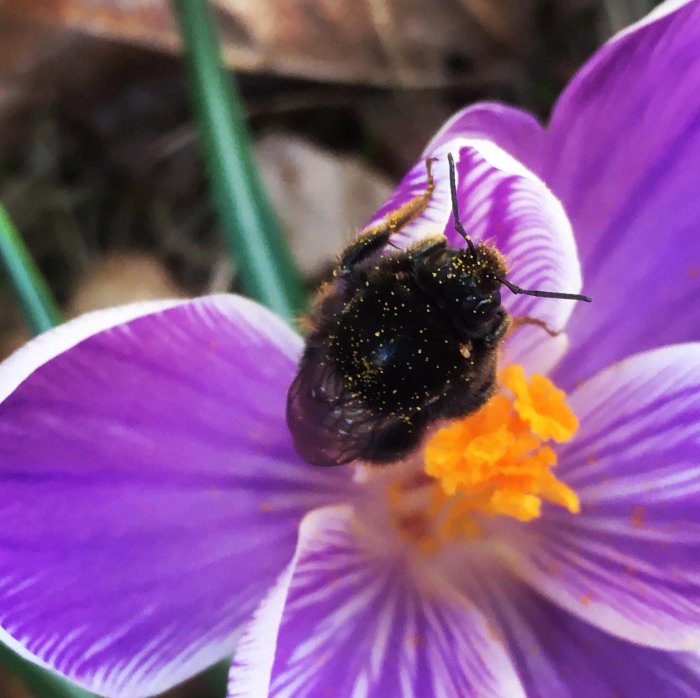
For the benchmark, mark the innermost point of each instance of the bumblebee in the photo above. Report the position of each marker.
(399, 340)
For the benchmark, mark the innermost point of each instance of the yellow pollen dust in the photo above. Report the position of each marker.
(497, 461)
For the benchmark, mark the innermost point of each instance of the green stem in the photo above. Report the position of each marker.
(40, 682)
(260, 251)
(216, 678)
(39, 307)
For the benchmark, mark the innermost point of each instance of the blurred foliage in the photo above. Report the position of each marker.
(250, 228)
(31, 291)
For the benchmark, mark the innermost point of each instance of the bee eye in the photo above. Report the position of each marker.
(487, 307)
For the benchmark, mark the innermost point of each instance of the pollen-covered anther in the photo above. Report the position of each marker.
(497, 461)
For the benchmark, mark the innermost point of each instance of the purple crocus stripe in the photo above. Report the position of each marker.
(357, 621)
(658, 418)
(593, 583)
(557, 654)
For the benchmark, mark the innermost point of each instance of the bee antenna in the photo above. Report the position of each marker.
(455, 209)
(472, 248)
(543, 294)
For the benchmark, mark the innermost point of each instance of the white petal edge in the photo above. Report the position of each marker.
(40, 350)
(251, 670)
(494, 155)
(665, 9)
(48, 345)
(27, 359)
(659, 12)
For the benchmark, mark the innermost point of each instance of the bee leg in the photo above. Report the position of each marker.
(395, 220)
(376, 236)
(361, 249)
(520, 321)
(425, 247)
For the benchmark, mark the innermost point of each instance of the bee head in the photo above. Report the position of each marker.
(469, 282)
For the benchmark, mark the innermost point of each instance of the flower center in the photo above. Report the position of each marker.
(496, 461)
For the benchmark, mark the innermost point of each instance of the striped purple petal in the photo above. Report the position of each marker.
(512, 130)
(354, 619)
(621, 153)
(630, 561)
(503, 203)
(150, 493)
(556, 654)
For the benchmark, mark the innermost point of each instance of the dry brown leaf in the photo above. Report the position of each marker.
(24, 45)
(128, 277)
(12, 687)
(321, 198)
(507, 21)
(369, 41)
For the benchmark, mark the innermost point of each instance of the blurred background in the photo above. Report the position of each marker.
(100, 166)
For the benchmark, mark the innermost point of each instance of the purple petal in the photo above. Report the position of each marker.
(353, 619)
(150, 492)
(512, 130)
(534, 349)
(557, 654)
(621, 154)
(506, 205)
(630, 562)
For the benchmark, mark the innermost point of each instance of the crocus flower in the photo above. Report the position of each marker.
(155, 516)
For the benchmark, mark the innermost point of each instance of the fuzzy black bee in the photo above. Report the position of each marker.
(398, 341)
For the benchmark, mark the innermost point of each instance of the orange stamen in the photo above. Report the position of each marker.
(496, 460)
